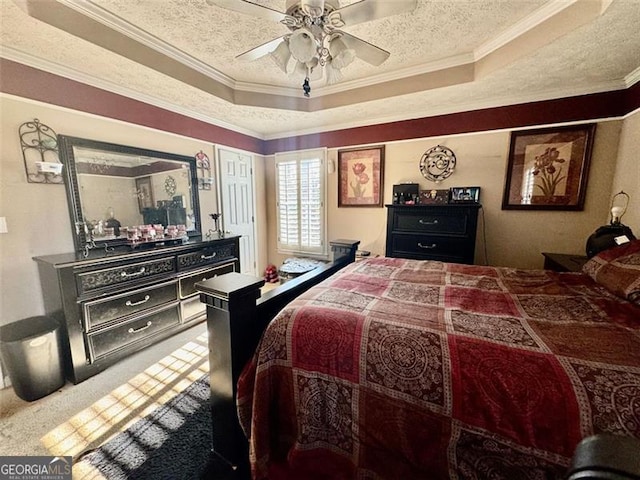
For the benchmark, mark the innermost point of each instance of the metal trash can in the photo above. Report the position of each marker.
(31, 352)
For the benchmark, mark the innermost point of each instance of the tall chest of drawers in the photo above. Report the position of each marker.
(432, 232)
(112, 305)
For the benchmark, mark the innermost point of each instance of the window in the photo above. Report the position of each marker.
(300, 192)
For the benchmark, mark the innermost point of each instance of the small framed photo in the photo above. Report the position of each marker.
(464, 195)
(434, 197)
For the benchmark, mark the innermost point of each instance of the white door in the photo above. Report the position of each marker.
(236, 187)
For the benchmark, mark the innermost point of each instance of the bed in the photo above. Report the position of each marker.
(395, 368)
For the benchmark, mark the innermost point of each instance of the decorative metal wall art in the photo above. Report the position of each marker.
(39, 144)
(203, 165)
(170, 185)
(437, 163)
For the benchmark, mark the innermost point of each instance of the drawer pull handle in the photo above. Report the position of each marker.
(134, 274)
(204, 257)
(428, 222)
(428, 247)
(144, 327)
(129, 303)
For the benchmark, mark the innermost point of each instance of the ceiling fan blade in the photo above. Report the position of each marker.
(249, 8)
(261, 50)
(364, 50)
(368, 10)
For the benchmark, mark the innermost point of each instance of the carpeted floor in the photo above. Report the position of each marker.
(173, 442)
(81, 418)
(146, 417)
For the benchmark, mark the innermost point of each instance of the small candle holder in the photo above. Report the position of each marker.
(216, 222)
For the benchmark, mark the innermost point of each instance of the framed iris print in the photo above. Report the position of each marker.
(548, 168)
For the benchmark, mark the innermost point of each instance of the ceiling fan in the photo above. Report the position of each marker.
(316, 43)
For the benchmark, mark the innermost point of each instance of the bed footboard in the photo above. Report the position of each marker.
(236, 318)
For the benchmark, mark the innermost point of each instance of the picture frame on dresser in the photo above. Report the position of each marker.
(434, 197)
(547, 168)
(361, 177)
(464, 195)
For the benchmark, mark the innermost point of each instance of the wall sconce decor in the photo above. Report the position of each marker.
(203, 166)
(39, 144)
(437, 163)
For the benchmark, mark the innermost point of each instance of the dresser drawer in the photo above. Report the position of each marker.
(188, 284)
(448, 249)
(124, 274)
(101, 312)
(206, 256)
(192, 308)
(430, 222)
(125, 334)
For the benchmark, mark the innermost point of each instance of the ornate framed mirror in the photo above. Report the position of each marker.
(113, 189)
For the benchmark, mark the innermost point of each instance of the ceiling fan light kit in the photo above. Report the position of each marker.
(317, 45)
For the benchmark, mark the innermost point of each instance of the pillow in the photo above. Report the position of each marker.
(618, 270)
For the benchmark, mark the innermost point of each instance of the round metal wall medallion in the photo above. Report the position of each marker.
(437, 163)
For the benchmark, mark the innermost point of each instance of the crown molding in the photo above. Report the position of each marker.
(632, 78)
(120, 25)
(541, 15)
(71, 74)
(288, 98)
(458, 108)
(18, 56)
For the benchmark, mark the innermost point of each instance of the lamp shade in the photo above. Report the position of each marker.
(302, 45)
(333, 75)
(616, 213)
(281, 56)
(313, 8)
(341, 55)
(309, 69)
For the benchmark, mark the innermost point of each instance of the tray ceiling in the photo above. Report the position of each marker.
(446, 56)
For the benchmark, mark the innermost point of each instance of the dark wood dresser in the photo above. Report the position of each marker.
(432, 232)
(113, 304)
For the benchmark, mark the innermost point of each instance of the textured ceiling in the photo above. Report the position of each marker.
(550, 56)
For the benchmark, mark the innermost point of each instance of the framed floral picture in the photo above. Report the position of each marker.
(144, 191)
(548, 168)
(360, 177)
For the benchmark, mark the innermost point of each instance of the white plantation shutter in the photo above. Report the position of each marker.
(300, 185)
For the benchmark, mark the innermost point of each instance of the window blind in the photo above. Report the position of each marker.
(300, 202)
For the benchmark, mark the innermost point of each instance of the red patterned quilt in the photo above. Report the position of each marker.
(405, 369)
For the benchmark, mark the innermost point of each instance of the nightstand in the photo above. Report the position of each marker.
(561, 262)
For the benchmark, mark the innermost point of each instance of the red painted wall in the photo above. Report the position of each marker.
(28, 82)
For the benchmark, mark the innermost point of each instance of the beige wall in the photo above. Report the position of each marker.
(37, 215)
(38, 219)
(627, 176)
(513, 238)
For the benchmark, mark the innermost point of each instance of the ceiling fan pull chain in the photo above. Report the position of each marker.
(306, 87)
